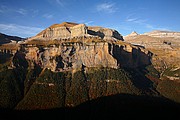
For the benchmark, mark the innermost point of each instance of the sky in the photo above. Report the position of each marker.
(26, 18)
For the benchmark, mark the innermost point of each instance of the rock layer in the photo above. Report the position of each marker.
(76, 55)
(165, 46)
(71, 46)
(162, 34)
(69, 30)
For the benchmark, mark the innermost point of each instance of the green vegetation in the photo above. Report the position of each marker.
(47, 91)
(5, 57)
(11, 87)
(12, 80)
(78, 91)
(111, 81)
(152, 71)
(44, 89)
(54, 90)
(171, 72)
(170, 89)
(31, 76)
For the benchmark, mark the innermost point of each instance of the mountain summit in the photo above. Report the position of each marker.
(69, 30)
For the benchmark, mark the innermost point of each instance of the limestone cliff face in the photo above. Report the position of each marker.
(71, 46)
(162, 34)
(69, 30)
(164, 45)
(77, 55)
(74, 56)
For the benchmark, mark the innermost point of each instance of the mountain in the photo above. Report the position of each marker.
(165, 46)
(162, 34)
(69, 30)
(7, 39)
(72, 67)
(131, 35)
(70, 45)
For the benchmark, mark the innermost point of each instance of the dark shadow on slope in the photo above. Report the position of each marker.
(4, 57)
(128, 106)
(130, 57)
(7, 38)
(140, 80)
(121, 106)
(96, 33)
(134, 62)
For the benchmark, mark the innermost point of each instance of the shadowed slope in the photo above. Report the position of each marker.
(121, 106)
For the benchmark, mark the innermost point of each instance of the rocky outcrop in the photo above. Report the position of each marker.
(71, 46)
(68, 57)
(162, 34)
(131, 35)
(164, 45)
(104, 33)
(69, 30)
(78, 30)
(72, 56)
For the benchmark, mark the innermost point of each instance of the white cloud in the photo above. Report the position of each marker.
(21, 11)
(48, 16)
(60, 2)
(34, 12)
(143, 23)
(156, 27)
(89, 22)
(19, 30)
(131, 19)
(57, 3)
(135, 20)
(4, 9)
(106, 7)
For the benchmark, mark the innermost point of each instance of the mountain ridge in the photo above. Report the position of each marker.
(68, 30)
(8, 38)
(74, 63)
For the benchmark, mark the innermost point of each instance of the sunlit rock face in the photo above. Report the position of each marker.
(70, 46)
(75, 55)
(67, 30)
(162, 34)
(165, 46)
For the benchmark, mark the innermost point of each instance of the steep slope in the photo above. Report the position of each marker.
(68, 30)
(162, 34)
(7, 39)
(69, 64)
(165, 47)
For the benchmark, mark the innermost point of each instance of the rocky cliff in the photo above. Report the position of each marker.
(68, 30)
(69, 46)
(69, 56)
(68, 64)
(162, 34)
(165, 45)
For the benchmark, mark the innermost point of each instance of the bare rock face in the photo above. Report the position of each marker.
(69, 30)
(78, 30)
(104, 33)
(161, 34)
(131, 35)
(71, 46)
(75, 55)
(164, 45)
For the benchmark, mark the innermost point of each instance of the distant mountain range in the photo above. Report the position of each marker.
(7, 38)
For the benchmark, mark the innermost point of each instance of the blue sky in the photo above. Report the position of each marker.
(26, 18)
